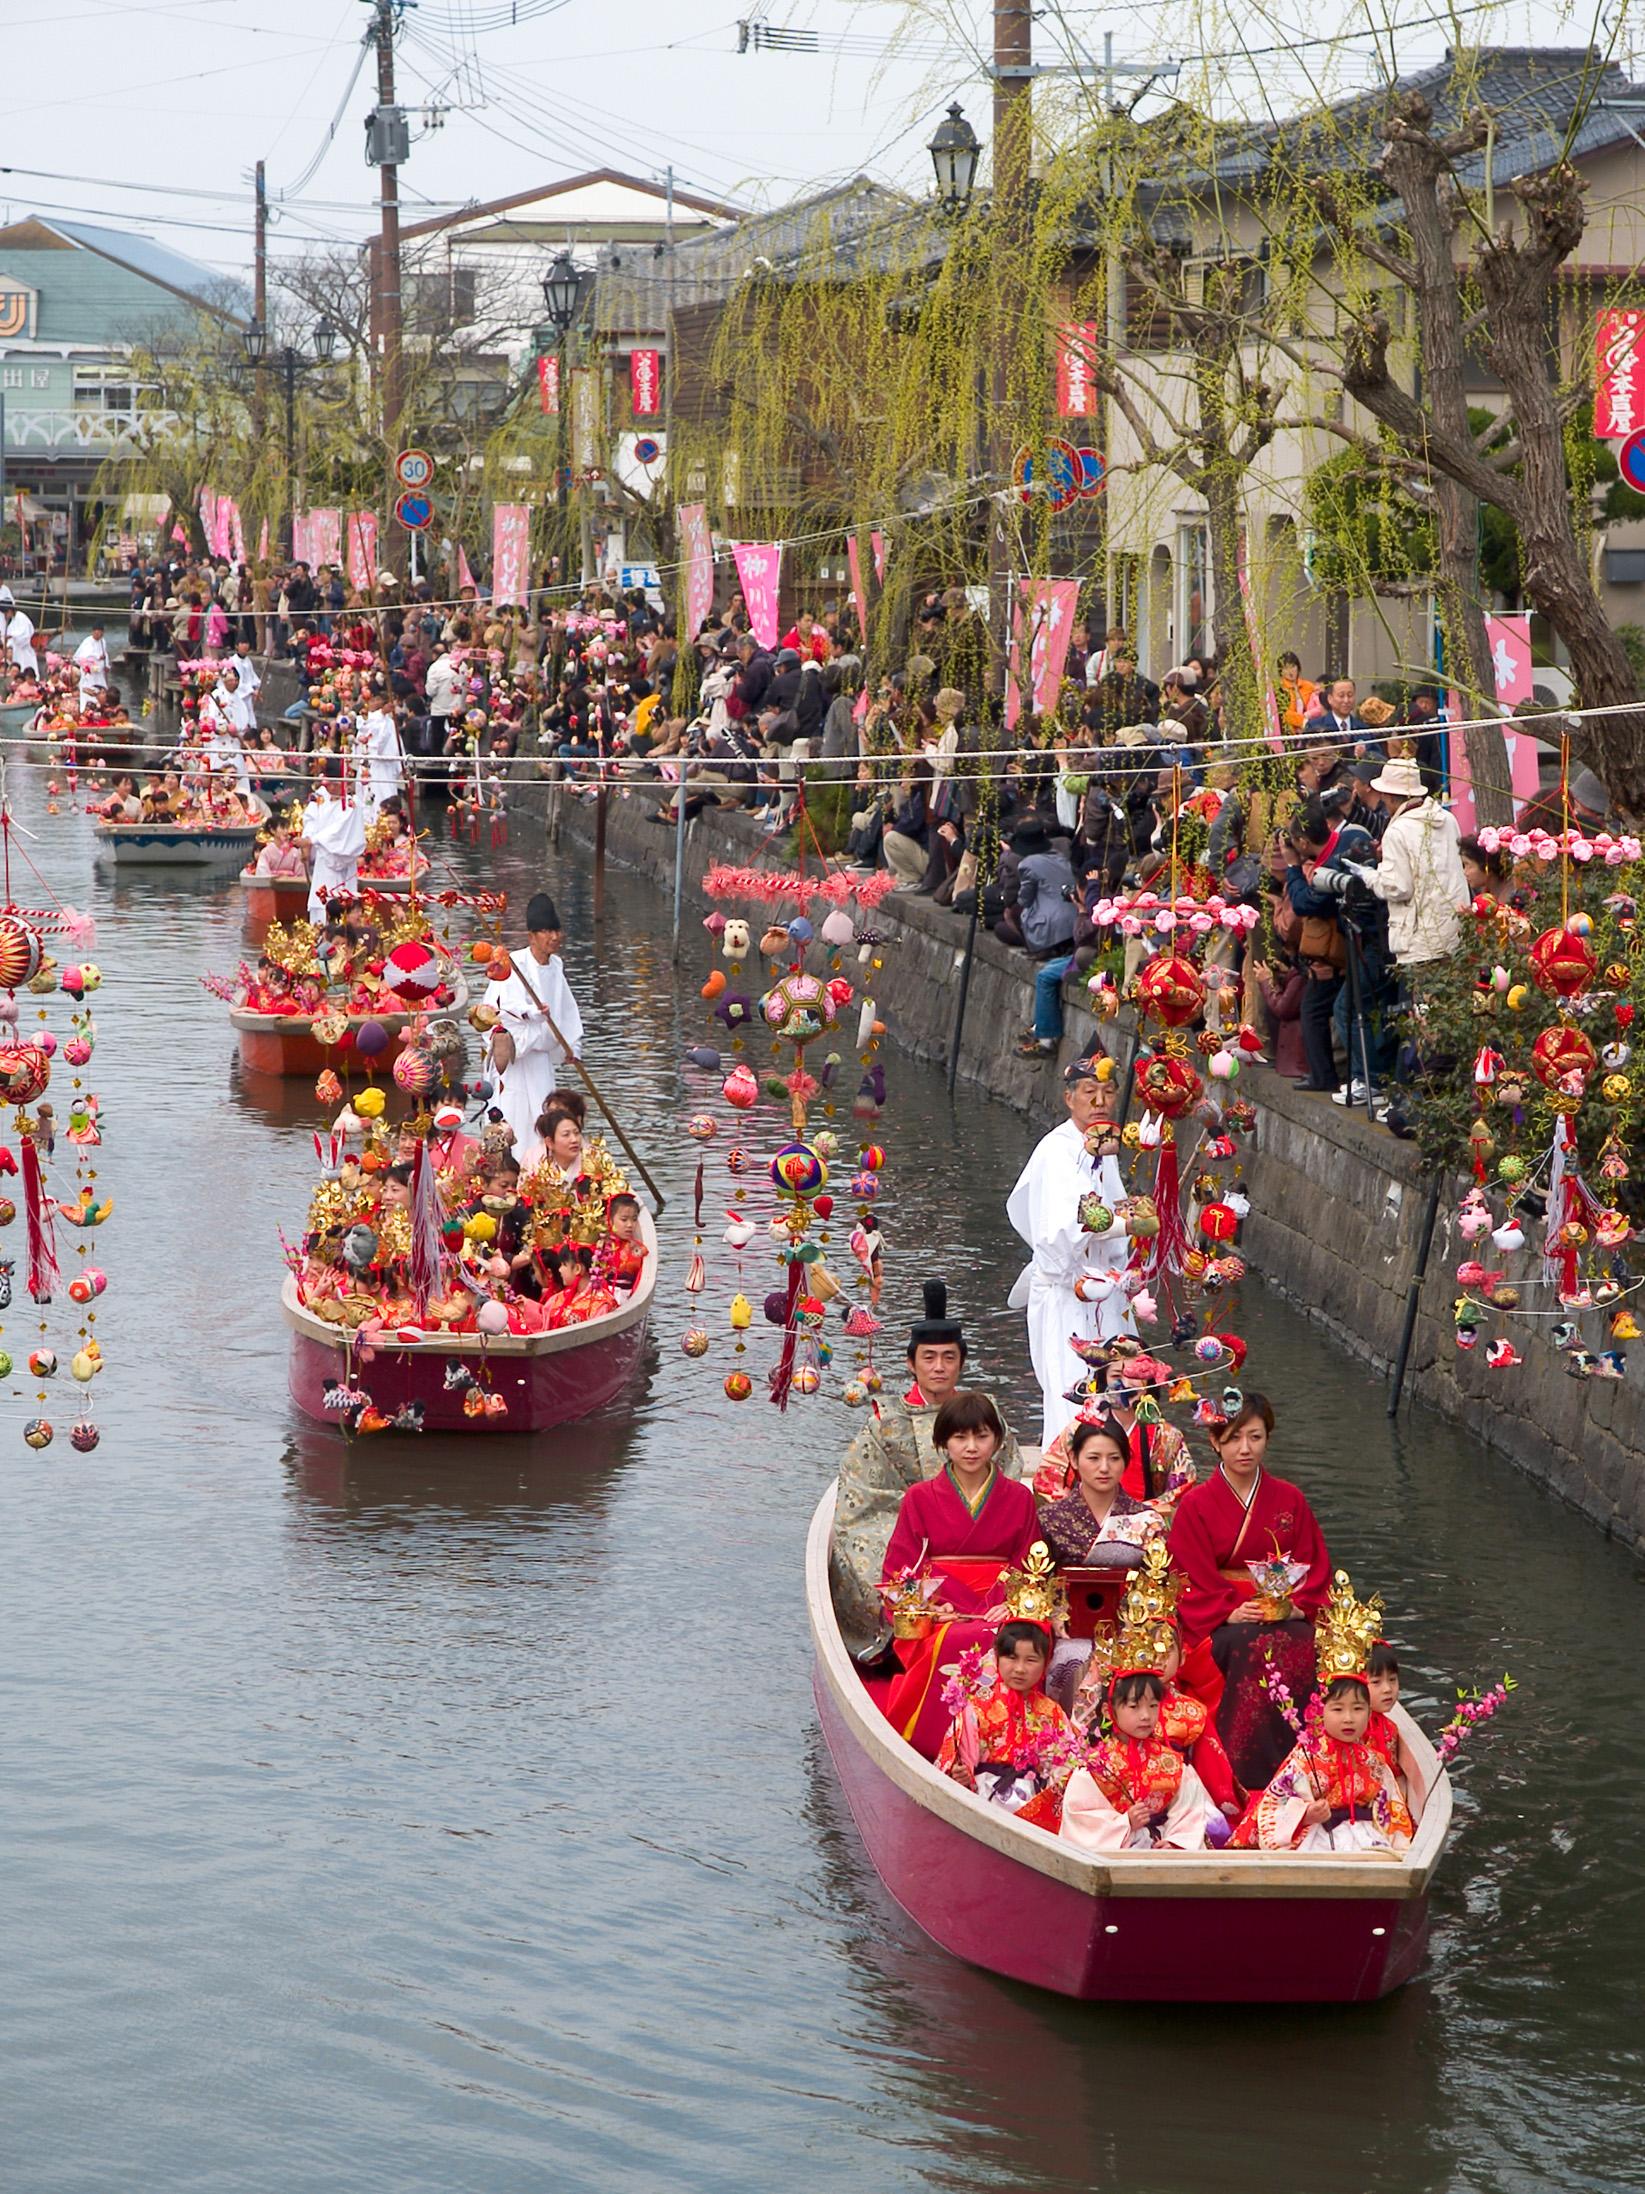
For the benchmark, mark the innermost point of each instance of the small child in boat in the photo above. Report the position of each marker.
(622, 1253)
(1135, 1791)
(1383, 1737)
(579, 1295)
(1332, 1792)
(1009, 1742)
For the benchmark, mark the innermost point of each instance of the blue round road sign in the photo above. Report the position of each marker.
(1630, 459)
(414, 512)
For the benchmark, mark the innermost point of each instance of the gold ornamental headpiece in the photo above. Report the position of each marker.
(293, 948)
(1035, 1593)
(1148, 1613)
(1346, 1630)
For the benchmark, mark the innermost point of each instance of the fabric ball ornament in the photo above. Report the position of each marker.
(416, 1070)
(1168, 1086)
(8, 1211)
(865, 1187)
(19, 952)
(25, 1073)
(84, 1436)
(871, 1157)
(1208, 1348)
(702, 1126)
(43, 1363)
(492, 1318)
(1616, 1089)
(1095, 1217)
(1562, 962)
(694, 1342)
(738, 1386)
(741, 1088)
(412, 971)
(776, 1307)
(798, 1169)
(5, 1365)
(798, 1007)
(37, 1432)
(1219, 1223)
(77, 1051)
(1171, 989)
(372, 1040)
(807, 1379)
(1557, 1053)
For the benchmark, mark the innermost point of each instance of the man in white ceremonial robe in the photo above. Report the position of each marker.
(18, 628)
(1071, 1287)
(335, 829)
(227, 728)
(525, 1052)
(379, 757)
(251, 684)
(91, 660)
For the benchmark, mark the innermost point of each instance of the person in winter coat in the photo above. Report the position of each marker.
(1419, 877)
(1041, 912)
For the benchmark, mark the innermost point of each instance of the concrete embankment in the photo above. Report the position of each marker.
(1337, 1206)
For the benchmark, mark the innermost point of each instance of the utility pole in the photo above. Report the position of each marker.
(387, 143)
(259, 294)
(1013, 152)
(1113, 305)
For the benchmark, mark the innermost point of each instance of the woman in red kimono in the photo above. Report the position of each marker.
(956, 1535)
(1233, 1633)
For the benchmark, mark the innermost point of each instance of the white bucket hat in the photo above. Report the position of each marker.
(1401, 779)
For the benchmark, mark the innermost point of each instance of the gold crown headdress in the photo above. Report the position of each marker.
(292, 948)
(1346, 1630)
(1147, 1614)
(1035, 1593)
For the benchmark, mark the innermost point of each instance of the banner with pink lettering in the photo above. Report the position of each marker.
(1509, 639)
(1076, 390)
(362, 550)
(230, 531)
(759, 574)
(1047, 606)
(325, 537)
(853, 557)
(262, 542)
(510, 553)
(698, 558)
(208, 519)
(465, 577)
(1619, 383)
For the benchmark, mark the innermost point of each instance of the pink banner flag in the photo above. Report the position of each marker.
(1619, 383)
(325, 537)
(1524, 771)
(876, 541)
(465, 578)
(1048, 605)
(510, 553)
(262, 542)
(645, 381)
(759, 574)
(695, 540)
(548, 381)
(230, 530)
(1509, 639)
(362, 550)
(208, 519)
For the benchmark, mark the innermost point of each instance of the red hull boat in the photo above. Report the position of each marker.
(285, 1043)
(546, 1378)
(285, 898)
(1135, 1927)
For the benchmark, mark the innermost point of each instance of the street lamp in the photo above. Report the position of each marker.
(290, 364)
(955, 151)
(563, 293)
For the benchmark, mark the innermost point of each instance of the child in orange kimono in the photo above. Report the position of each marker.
(1135, 1791)
(621, 1255)
(1333, 1793)
(1383, 1735)
(1185, 1723)
(1008, 1742)
(579, 1296)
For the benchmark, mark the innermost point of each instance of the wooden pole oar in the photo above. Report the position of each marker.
(632, 1154)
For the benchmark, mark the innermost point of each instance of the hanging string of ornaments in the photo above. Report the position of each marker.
(54, 1160)
(819, 962)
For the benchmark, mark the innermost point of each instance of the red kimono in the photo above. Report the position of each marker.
(965, 1554)
(1213, 1537)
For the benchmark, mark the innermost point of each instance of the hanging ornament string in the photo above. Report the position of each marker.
(1564, 830)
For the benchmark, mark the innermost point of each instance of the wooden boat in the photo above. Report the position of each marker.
(192, 845)
(285, 898)
(1133, 1927)
(546, 1378)
(285, 1043)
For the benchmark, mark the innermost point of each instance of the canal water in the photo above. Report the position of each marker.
(441, 1816)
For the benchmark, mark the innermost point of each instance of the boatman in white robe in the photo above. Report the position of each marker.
(380, 758)
(526, 1055)
(335, 829)
(251, 684)
(1071, 1289)
(18, 629)
(91, 660)
(225, 729)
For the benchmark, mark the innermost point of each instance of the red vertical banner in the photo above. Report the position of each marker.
(548, 380)
(1076, 386)
(510, 553)
(362, 550)
(759, 571)
(695, 540)
(645, 381)
(1619, 387)
(1049, 608)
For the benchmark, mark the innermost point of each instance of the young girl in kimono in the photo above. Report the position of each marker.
(1333, 1793)
(1008, 1741)
(621, 1255)
(1135, 1791)
(1383, 1735)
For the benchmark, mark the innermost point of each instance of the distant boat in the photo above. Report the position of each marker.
(173, 845)
(285, 898)
(1133, 1927)
(285, 1043)
(545, 1378)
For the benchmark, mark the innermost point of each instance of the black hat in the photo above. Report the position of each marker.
(541, 912)
(936, 1326)
(1030, 835)
(1086, 1069)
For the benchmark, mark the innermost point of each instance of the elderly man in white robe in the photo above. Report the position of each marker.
(18, 630)
(526, 1053)
(1072, 1287)
(335, 830)
(223, 719)
(251, 684)
(91, 660)
(379, 757)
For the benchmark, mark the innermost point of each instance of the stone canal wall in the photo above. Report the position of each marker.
(1337, 1205)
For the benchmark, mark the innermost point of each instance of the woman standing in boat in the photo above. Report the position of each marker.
(956, 1536)
(1238, 1631)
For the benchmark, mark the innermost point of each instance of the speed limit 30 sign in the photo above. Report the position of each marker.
(414, 468)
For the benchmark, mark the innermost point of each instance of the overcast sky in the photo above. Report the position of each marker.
(148, 114)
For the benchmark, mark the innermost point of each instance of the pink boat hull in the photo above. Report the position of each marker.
(539, 1390)
(1222, 1928)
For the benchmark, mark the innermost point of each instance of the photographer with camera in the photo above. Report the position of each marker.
(1338, 943)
